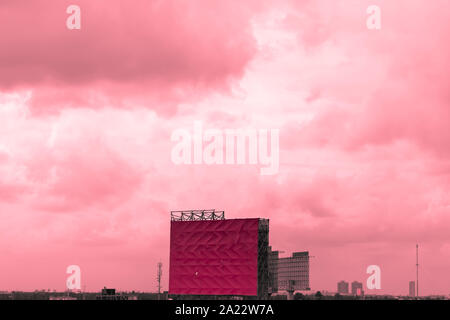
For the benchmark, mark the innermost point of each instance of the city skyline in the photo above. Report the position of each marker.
(280, 255)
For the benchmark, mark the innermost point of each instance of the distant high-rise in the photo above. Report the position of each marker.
(357, 288)
(289, 274)
(342, 287)
(412, 289)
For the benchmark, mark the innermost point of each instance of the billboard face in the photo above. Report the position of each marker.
(214, 257)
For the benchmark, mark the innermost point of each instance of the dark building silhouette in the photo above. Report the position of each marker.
(111, 294)
(357, 288)
(342, 287)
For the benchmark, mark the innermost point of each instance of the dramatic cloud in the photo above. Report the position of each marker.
(170, 49)
(402, 90)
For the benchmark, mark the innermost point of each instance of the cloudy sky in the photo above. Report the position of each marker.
(86, 118)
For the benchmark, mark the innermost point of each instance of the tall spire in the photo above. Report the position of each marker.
(417, 270)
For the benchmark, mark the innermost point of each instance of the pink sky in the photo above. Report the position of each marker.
(86, 117)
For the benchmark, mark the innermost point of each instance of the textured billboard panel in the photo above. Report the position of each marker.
(214, 257)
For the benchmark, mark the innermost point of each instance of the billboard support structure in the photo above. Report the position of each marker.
(197, 215)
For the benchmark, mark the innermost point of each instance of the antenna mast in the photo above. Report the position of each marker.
(417, 270)
(159, 276)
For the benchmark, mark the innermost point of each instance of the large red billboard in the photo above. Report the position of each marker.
(214, 257)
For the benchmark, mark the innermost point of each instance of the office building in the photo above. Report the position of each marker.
(288, 274)
(357, 288)
(342, 287)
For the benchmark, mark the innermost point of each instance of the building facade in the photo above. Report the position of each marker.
(288, 274)
(273, 270)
